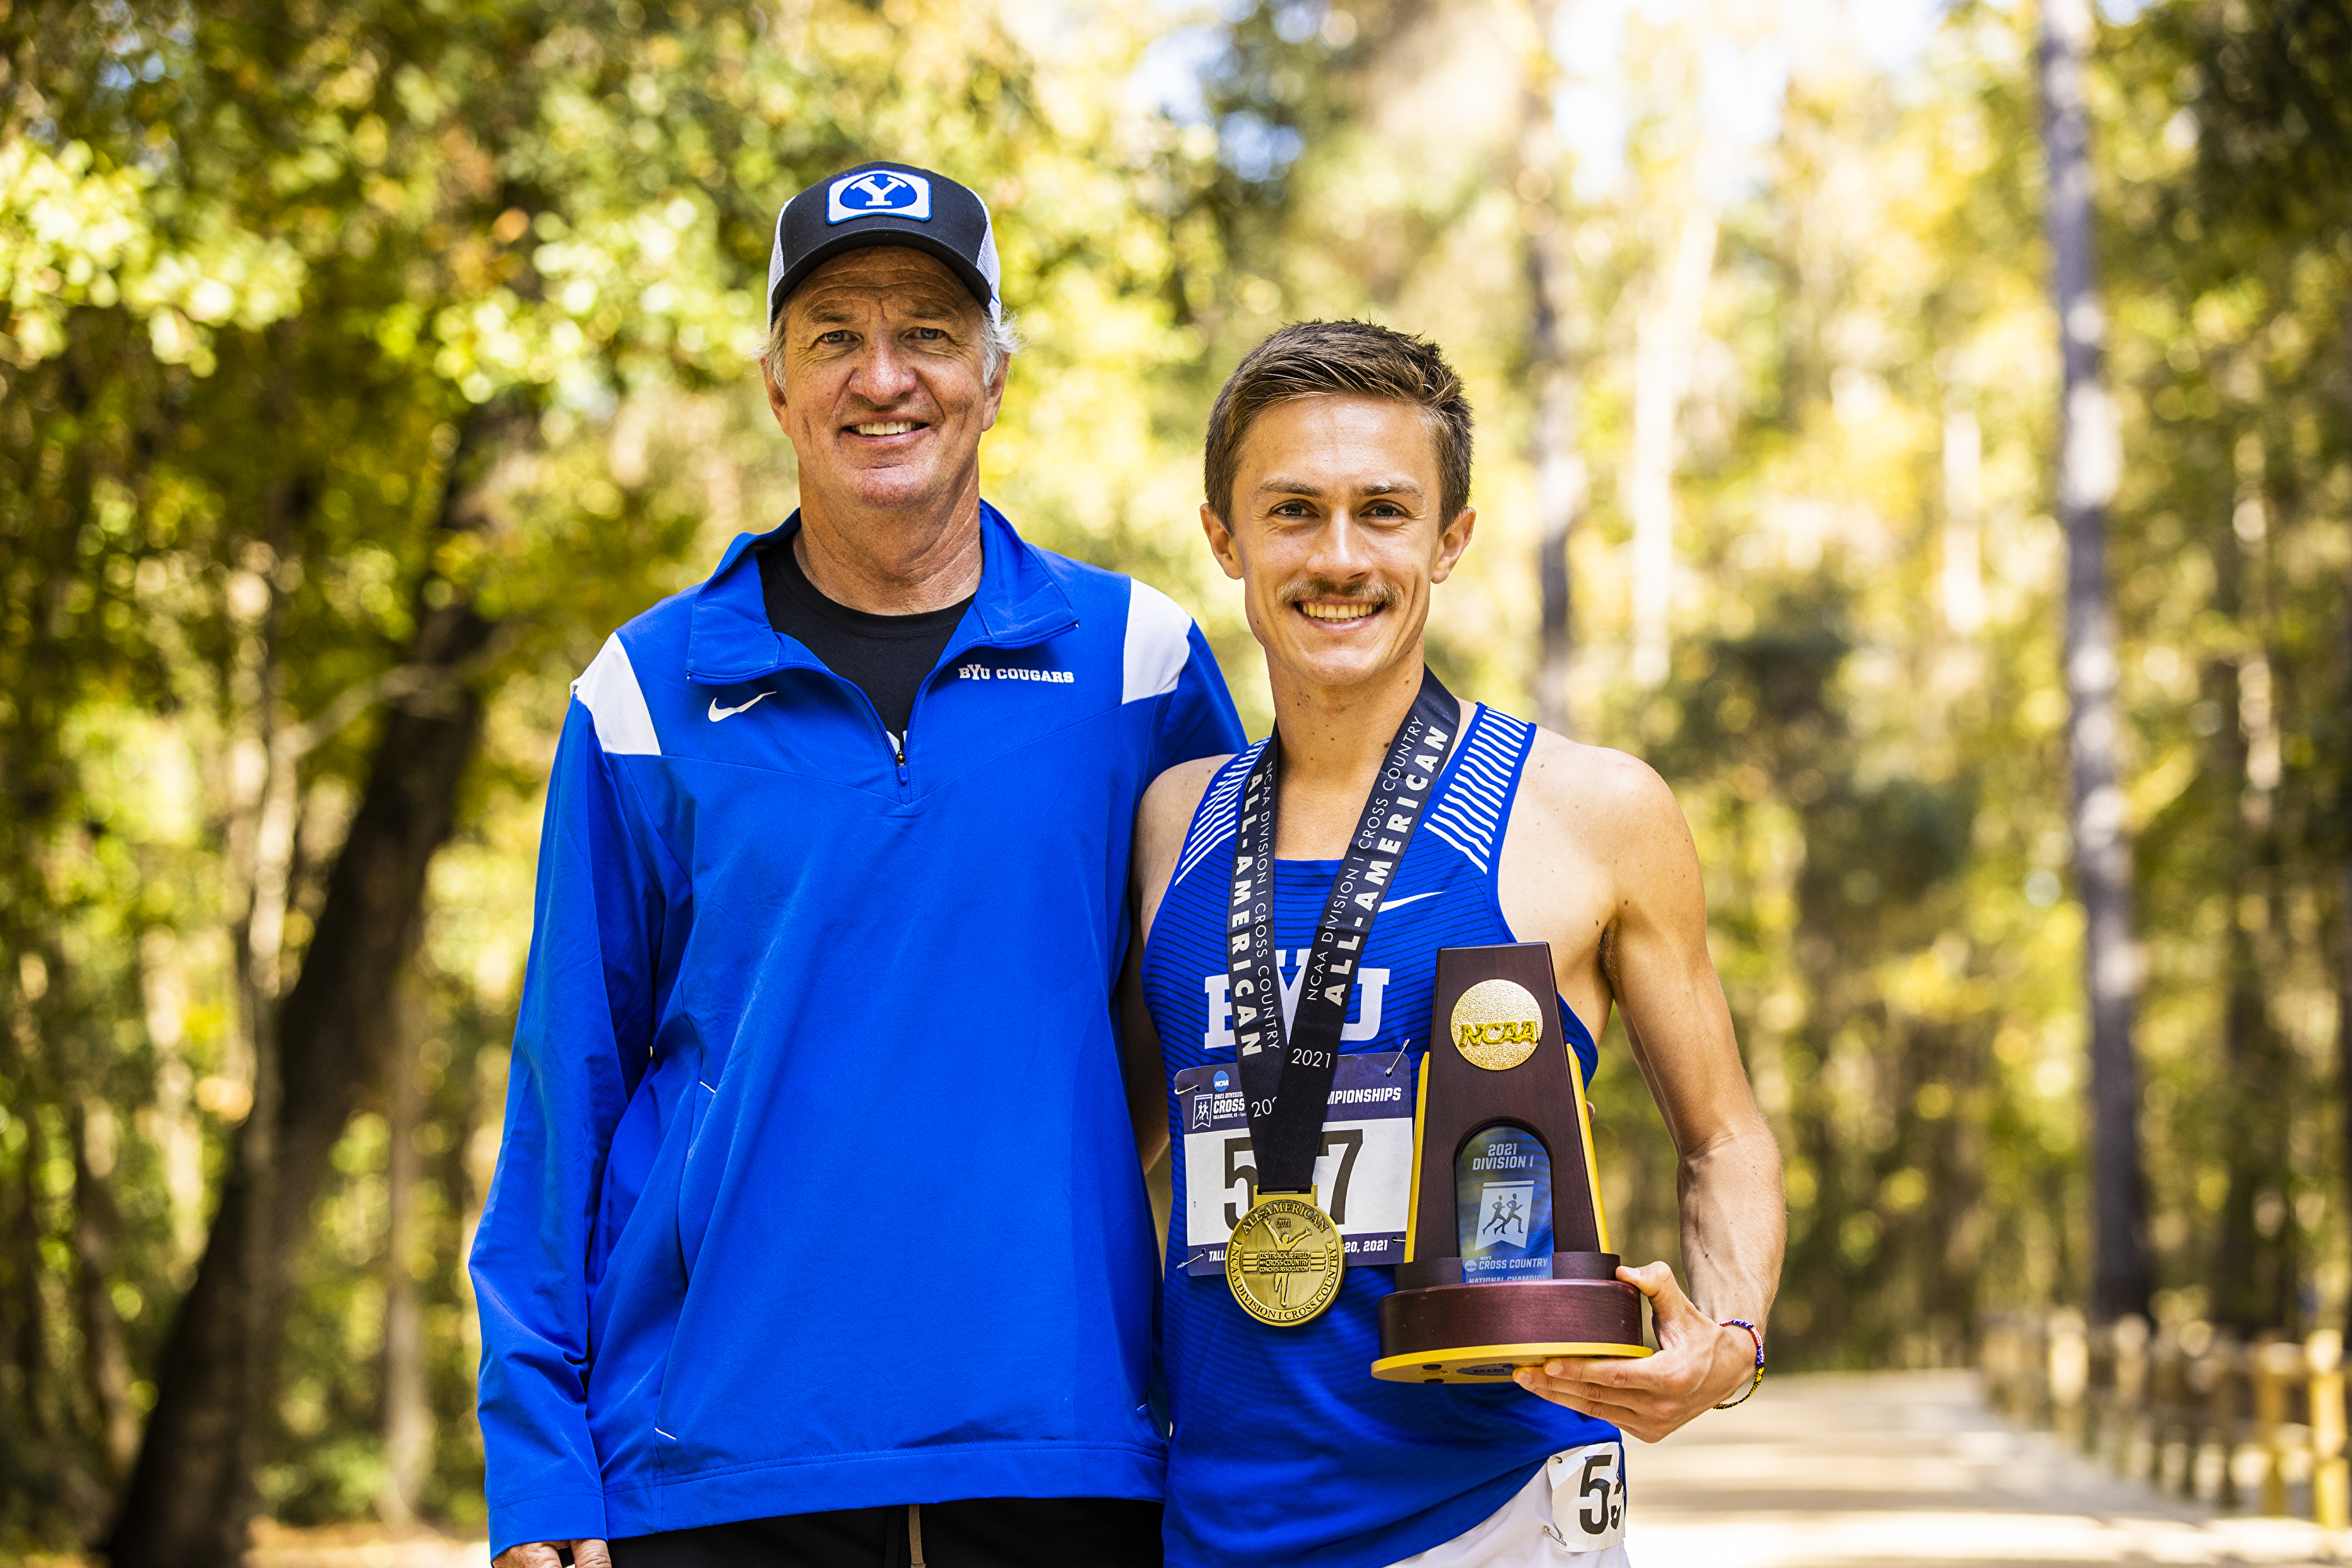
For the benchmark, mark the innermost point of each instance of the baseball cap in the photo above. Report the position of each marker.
(884, 204)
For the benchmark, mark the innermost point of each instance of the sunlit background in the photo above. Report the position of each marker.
(364, 364)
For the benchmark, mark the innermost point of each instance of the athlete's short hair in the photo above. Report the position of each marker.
(1346, 359)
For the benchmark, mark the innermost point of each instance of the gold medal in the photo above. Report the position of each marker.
(1283, 1261)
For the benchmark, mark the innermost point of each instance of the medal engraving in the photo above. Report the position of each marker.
(1498, 1025)
(1283, 1261)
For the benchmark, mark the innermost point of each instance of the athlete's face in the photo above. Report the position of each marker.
(1336, 536)
(882, 394)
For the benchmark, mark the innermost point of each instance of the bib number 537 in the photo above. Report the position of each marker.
(1588, 1497)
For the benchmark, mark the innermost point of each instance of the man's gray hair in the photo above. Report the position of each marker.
(1000, 339)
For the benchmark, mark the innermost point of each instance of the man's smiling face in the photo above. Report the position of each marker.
(1335, 534)
(882, 395)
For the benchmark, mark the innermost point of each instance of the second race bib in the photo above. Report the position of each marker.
(1588, 1496)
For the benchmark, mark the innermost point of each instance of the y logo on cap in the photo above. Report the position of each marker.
(878, 193)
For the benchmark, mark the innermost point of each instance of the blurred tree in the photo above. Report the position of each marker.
(1539, 178)
(2090, 458)
(2252, 233)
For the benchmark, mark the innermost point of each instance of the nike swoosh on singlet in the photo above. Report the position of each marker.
(1392, 903)
(717, 712)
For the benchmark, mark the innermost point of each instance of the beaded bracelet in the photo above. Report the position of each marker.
(1757, 1381)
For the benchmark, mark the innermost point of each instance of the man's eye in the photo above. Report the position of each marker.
(930, 334)
(838, 335)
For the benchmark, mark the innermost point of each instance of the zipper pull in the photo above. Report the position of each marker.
(899, 750)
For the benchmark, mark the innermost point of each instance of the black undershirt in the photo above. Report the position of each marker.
(885, 657)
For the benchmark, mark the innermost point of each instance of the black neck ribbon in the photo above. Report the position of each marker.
(1287, 1080)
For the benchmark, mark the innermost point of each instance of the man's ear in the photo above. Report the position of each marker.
(994, 398)
(1453, 543)
(775, 397)
(1221, 541)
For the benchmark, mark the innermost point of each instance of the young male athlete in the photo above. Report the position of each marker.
(1339, 477)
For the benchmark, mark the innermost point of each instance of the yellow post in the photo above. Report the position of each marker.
(2274, 1365)
(2069, 1371)
(2218, 1366)
(2331, 1486)
(2132, 1420)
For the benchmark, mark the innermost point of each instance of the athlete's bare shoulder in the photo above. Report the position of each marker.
(1160, 823)
(1609, 806)
(1595, 841)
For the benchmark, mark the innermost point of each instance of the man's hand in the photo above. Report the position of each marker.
(546, 1554)
(1699, 1365)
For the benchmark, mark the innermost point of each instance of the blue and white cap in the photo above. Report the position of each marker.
(884, 203)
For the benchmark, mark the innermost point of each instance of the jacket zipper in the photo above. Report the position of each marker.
(897, 743)
(948, 657)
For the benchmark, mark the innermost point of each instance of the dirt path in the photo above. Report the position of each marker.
(1910, 1467)
(1881, 1470)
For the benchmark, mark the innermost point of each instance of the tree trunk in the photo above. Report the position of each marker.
(2344, 849)
(1662, 363)
(407, 1409)
(2088, 463)
(27, 1441)
(2254, 1282)
(191, 1501)
(106, 1359)
(163, 991)
(1551, 438)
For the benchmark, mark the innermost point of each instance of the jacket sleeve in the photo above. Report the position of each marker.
(582, 1037)
(1199, 720)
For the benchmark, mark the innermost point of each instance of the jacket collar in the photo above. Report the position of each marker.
(1018, 603)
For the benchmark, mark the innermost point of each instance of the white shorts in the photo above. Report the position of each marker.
(1520, 1534)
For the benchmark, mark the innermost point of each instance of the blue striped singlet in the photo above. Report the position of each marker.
(1286, 1450)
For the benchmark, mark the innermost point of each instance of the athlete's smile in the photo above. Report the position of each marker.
(1341, 614)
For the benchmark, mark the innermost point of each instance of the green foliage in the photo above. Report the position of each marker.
(319, 317)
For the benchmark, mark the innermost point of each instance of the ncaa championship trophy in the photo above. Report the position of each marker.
(1506, 1254)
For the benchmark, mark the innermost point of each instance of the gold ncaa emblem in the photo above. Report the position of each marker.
(1498, 1025)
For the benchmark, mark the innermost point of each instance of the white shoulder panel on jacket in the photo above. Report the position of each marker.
(1157, 645)
(624, 726)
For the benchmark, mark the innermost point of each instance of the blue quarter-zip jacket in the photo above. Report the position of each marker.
(817, 1189)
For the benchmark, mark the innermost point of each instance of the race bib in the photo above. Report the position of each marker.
(1588, 1497)
(1363, 1175)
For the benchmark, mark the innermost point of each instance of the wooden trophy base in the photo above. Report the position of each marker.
(1435, 1328)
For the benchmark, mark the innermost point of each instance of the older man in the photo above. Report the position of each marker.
(818, 1234)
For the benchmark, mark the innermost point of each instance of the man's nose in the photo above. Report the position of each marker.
(884, 373)
(1341, 549)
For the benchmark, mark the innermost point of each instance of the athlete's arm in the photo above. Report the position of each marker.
(1160, 826)
(1612, 823)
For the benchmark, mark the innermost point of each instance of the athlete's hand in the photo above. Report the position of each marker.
(1699, 1365)
(545, 1554)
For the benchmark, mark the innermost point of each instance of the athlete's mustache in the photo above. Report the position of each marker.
(1380, 596)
